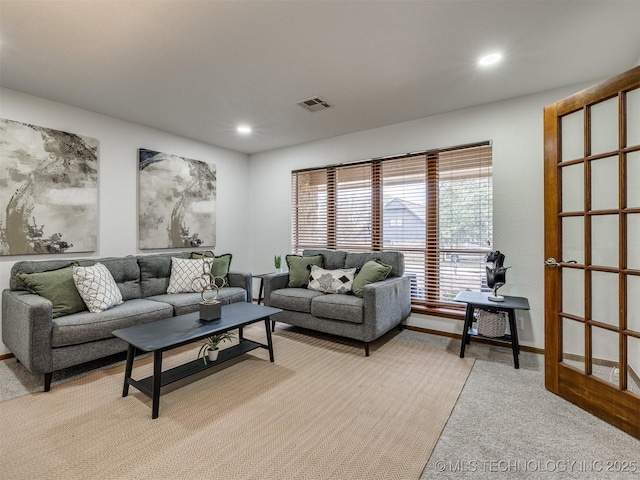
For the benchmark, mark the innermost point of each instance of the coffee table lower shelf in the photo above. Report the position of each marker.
(173, 332)
(193, 367)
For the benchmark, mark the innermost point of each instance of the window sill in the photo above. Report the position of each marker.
(451, 312)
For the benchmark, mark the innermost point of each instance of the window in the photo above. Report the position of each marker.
(435, 206)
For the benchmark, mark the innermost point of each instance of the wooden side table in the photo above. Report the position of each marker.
(481, 301)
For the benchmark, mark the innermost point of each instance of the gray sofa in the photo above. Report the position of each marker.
(45, 344)
(385, 304)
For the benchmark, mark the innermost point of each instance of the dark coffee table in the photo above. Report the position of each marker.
(170, 333)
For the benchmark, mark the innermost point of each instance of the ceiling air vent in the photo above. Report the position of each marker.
(313, 104)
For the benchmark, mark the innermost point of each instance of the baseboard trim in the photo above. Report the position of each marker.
(596, 361)
(6, 356)
(633, 375)
(475, 339)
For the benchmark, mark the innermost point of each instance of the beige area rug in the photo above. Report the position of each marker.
(322, 411)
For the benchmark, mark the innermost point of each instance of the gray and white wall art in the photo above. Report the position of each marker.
(177, 201)
(48, 190)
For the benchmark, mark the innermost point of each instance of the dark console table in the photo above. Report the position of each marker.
(163, 335)
(481, 301)
(261, 289)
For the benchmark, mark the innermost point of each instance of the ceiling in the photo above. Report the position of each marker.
(199, 68)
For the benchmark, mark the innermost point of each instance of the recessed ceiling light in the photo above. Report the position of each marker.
(244, 129)
(490, 59)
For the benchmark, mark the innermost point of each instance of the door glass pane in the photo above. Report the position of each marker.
(572, 128)
(604, 240)
(604, 345)
(604, 126)
(573, 239)
(633, 180)
(573, 343)
(633, 241)
(633, 118)
(604, 298)
(633, 364)
(573, 291)
(573, 188)
(633, 304)
(604, 183)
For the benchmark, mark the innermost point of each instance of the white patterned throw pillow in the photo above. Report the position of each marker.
(331, 281)
(97, 287)
(185, 275)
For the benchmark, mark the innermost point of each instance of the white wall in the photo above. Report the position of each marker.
(516, 129)
(119, 142)
(254, 216)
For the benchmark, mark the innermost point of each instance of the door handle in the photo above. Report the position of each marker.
(552, 262)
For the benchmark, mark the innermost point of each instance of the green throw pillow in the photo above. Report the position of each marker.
(300, 267)
(371, 272)
(220, 266)
(58, 287)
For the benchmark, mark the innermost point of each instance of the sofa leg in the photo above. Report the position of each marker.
(47, 381)
(400, 326)
(273, 325)
(366, 349)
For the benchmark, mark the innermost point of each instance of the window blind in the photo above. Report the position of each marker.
(434, 206)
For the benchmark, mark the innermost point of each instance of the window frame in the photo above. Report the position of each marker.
(432, 304)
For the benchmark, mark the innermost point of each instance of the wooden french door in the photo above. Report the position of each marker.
(592, 250)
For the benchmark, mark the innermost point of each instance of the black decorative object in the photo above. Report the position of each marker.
(210, 310)
(496, 274)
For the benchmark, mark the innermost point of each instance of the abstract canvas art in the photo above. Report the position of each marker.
(177, 201)
(48, 190)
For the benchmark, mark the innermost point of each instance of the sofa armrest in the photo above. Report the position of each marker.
(272, 282)
(386, 304)
(242, 280)
(27, 324)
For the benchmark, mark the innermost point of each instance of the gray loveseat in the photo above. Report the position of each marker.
(45, 344)
(384, 304)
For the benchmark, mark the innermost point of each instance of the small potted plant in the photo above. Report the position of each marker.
(277, 261)
(209, 350)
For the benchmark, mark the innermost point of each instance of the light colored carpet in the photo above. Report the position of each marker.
(321, 411)
(506, 425)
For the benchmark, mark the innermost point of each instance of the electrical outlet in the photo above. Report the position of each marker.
(616, 372)
(519, 323)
